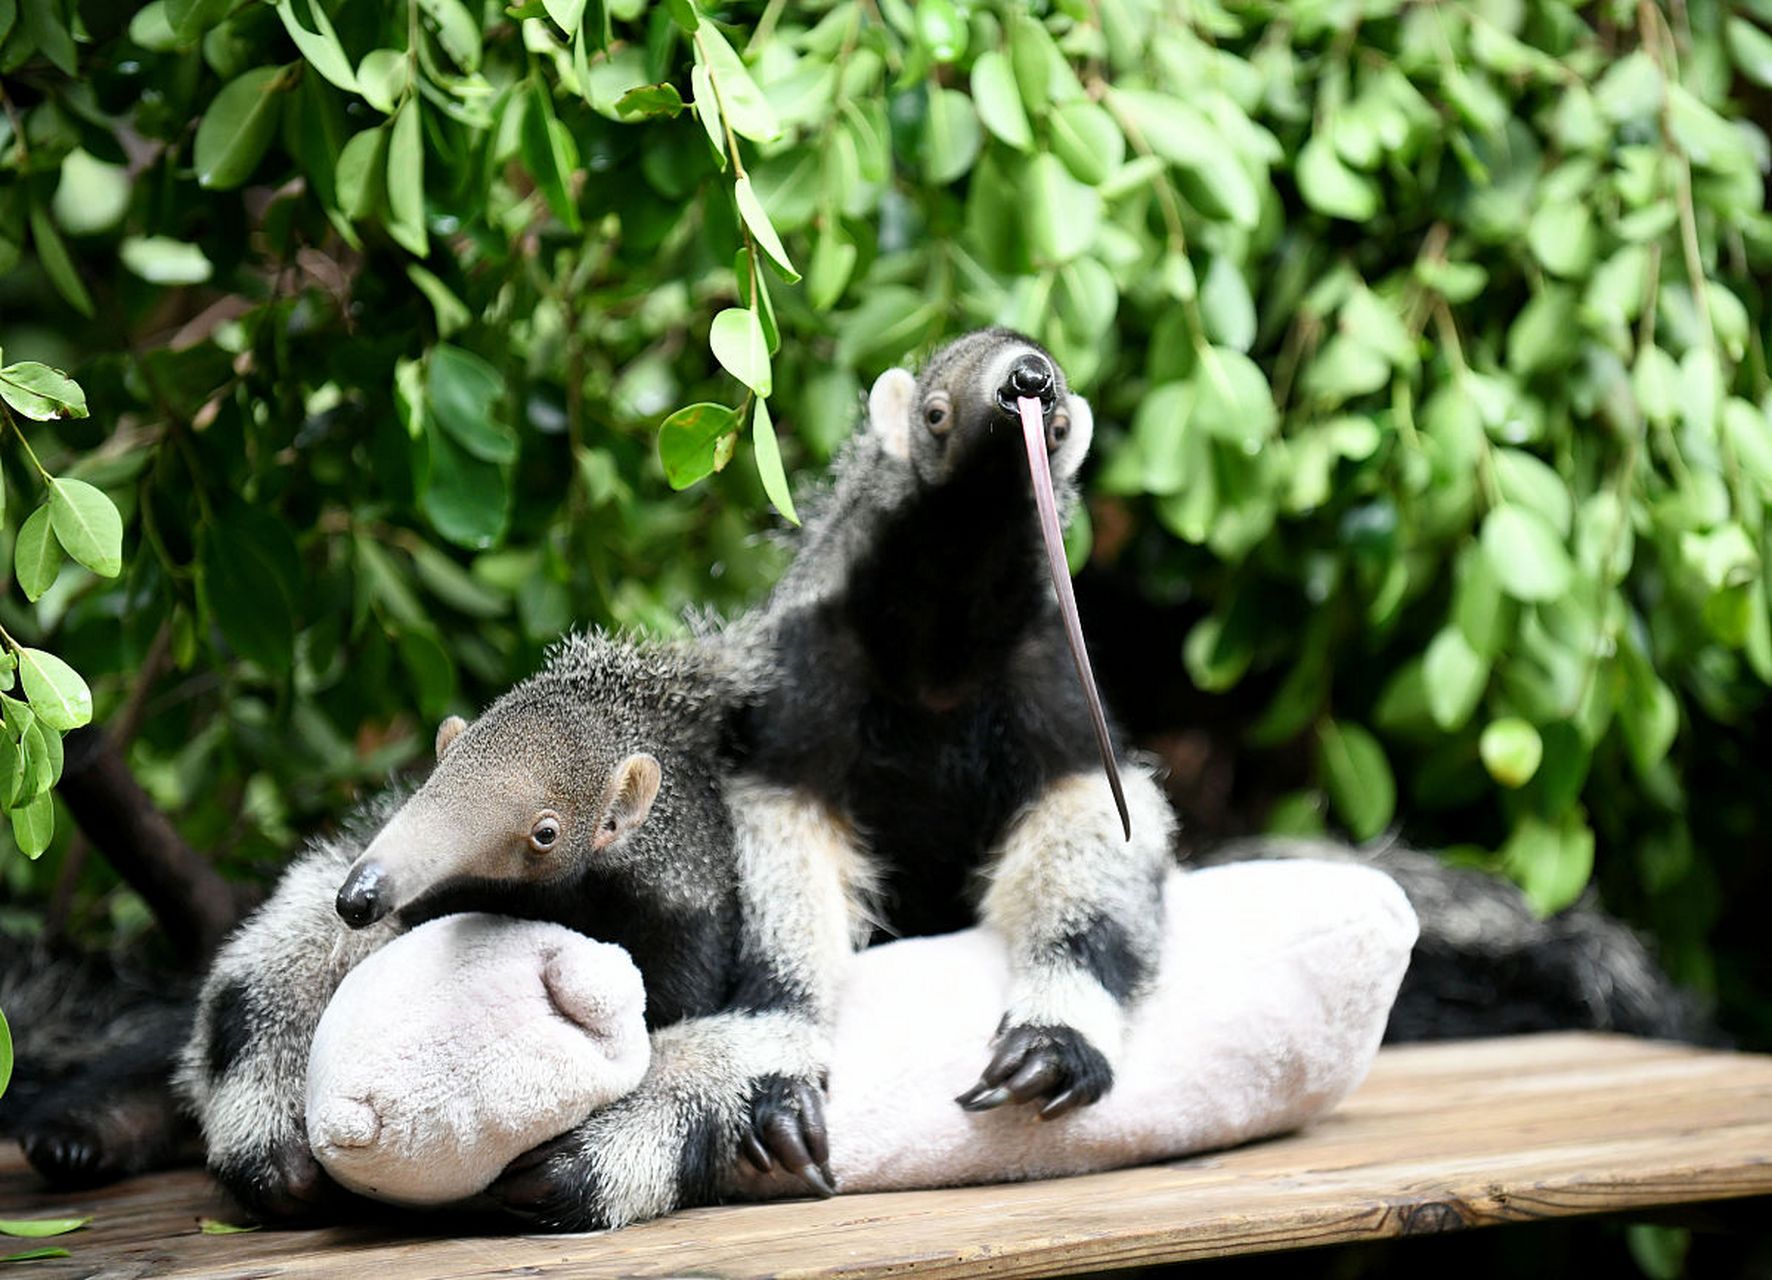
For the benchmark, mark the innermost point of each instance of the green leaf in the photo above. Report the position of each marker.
(751, 210)
(741, 102)
(688, 442)
(250, 577)
(237, 128)
(1227, 306)
(35, 1255)
(1330, 187)
(464, 393)
(548, 153)
(1233, 400)
(5, 1054)
(1455, 676)
(39, 1228)
(1656, 380)
(466, 498)
(1086, 138)
(650, 100)
(999, 101)
(163, 260)
(1357, 776)
(1511, 751)
(1528, 558)
(1649, 714)
(736, 337)
(833, 262)
(87, 525)
(769, 468)
(1751, 50)
(1562, 237)
(458, 31)
(361, 166)
(406, 180)
(59, 697)
(1552, 864)
(216, 1227)
(40, 392)
(57, 265)
(1063, 216)
(569, 14)
(36, 556)
(382, 77)
(318, 43)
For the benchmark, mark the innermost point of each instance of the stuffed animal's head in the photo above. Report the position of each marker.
(464, 1043)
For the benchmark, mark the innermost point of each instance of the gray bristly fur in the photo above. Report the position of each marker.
(963, 779)
(1485, 964)
(666, 888)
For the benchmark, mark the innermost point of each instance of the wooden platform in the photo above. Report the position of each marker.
(1441, 1137)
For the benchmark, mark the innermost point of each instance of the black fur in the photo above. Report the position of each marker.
(701, 1160)
(935, 698)
(230, 1027)
(1105, 952)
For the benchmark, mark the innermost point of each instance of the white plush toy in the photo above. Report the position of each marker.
(452, 1051)
(1273, 993)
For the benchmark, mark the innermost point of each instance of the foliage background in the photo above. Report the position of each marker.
(1427, 342)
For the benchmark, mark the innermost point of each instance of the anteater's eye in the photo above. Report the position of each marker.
(937, 412)
(545, 834)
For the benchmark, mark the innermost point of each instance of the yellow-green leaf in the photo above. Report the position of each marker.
(769, 468)
(58, 695)
(87, 525)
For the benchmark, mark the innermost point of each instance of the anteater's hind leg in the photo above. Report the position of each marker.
(1081, 908)
(114, 1117)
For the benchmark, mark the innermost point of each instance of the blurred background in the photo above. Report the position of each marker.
(1427, 344)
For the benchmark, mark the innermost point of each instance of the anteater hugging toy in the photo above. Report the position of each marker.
(473, 1038)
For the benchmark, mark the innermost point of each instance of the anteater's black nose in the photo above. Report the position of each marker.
(364, 897)
(1031, 377)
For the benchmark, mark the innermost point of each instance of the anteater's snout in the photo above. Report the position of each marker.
(366, 895)
(1030, 377)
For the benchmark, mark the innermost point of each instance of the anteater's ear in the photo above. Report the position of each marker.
(1069, 455)
(889, 410)
(631, 793)
(448, 732)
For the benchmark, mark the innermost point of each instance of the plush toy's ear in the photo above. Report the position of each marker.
(1069, 455)
(448, 732)
(889, 410)
(631, 793)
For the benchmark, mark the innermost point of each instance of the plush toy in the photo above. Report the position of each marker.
(447, 1054)
(1269, 1006)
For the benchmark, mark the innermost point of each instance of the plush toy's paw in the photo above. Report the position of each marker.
(552, 1185)
(1052, 1066)
(284, 1184)
(786, 1127)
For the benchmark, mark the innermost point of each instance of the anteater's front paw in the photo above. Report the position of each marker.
(786, 1127)
(553, 1186)
(1054, 1067)
(282, 1185)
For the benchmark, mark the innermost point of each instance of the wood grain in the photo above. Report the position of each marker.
(1440, 1138)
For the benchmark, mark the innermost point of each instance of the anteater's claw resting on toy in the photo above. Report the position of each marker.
(919, 693)
(1053, 1066)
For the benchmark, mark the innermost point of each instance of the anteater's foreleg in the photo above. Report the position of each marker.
(1081, 908)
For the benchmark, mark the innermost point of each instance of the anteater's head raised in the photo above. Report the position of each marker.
(962, 409)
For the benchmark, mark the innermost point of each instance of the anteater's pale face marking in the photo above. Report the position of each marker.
(943, 418)
(516, 797)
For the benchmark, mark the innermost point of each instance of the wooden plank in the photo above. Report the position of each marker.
(1440, 1138)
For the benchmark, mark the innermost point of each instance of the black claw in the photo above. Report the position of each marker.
(754, 1152)
(1053, 1068)
(819, 1179)
(812, 1127)
(983, 1097)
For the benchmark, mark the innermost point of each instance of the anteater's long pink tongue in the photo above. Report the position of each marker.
(1033, 430)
